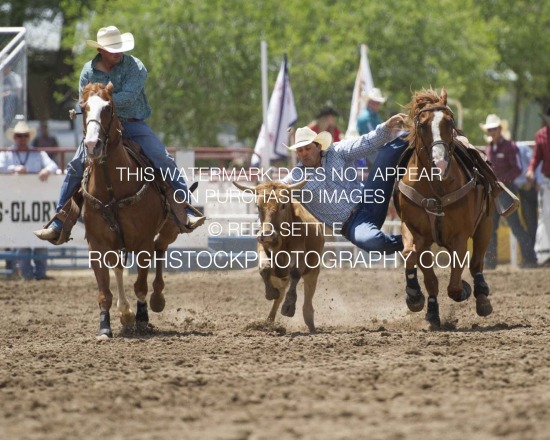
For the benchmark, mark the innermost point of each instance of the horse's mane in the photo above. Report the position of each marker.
(105, 92)
(422, 99)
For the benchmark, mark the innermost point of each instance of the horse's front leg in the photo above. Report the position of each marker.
(414, 297)
(105, 299)
(481, 239)
(157, 301)
(127, 316)
(425, 261)
(140, 290)
(458, 289)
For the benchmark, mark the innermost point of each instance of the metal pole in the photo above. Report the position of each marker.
(265, 99)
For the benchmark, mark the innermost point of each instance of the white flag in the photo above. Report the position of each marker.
(281, 114)
(363, 84)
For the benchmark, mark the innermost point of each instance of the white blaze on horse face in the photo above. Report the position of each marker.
(438, 151)
(96, 105)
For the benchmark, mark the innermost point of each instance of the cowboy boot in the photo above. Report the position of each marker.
(67, 216)
(187, 217)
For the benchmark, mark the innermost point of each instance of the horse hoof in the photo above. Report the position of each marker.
(271, 293)
(415, 299)
(157, 302)
(104, 335)
(483, 306)
(465, 293)
(480, 286)
(432, 315)
(288, 310)
(127, 319)
(141, 313)
(142, 326)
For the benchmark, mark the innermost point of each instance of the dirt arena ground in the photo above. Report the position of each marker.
(211, 369)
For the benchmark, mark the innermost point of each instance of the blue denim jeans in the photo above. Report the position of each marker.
(38, 256)
(151, 145)
(363, 227)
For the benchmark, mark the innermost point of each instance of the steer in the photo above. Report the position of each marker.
(290, 246)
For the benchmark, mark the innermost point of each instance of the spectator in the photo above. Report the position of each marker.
(504, 155)
(541, 155)
(326, 121)
(527, 191)
(367, 121)
(21, 160)
(11, 93)
(44, 140)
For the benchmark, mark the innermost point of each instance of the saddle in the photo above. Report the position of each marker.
(473, 160)
(505, 200)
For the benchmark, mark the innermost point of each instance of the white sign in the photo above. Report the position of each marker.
(27, 204)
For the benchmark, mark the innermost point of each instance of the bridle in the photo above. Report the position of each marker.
(448, 147)
(103, 132)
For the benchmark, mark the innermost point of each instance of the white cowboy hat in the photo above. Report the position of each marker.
(493, 121)
(305, 136)
(21, 128)
(376, 96)
(110, 39)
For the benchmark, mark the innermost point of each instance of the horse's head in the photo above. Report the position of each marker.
(433, 130)
(98, 118)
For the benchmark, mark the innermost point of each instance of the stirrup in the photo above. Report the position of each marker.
(506, 202)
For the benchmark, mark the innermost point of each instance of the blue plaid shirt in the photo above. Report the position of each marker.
(128, 78)
(329, 196)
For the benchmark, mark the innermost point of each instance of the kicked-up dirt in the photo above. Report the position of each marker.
(211, 368)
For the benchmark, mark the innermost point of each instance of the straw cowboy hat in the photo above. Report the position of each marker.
(376, 96)
(305, 136)
(493, 121)
(21, 128)
(110, 39)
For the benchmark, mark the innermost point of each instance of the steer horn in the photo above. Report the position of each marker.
(244, 187)
(298, 185)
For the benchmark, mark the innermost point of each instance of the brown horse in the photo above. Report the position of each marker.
(440, 200)
(120, 214)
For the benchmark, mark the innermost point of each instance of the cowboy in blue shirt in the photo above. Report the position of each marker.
(127, 74)
(340, 201)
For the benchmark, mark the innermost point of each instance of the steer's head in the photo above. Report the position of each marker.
(274, 201)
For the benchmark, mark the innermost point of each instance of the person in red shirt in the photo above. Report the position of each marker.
(541, 154)
(505, 159)
(326, 121)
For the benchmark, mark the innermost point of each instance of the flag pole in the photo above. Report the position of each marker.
(264, 159)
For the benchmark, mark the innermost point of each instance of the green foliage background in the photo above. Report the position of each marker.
(203, 56)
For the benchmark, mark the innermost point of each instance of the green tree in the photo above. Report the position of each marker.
(204, 57)
(522, 29)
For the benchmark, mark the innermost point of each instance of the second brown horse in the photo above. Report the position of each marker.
(440, 200)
